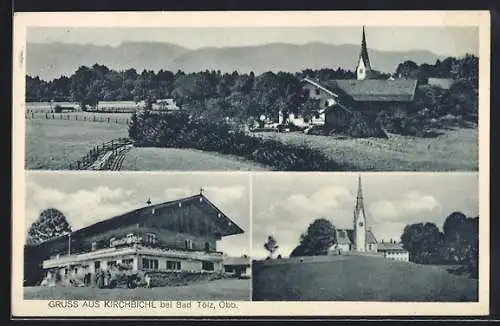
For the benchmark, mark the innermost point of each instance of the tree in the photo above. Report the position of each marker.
(271, 245)
(319, 237)
(423, 242)
(50, 224)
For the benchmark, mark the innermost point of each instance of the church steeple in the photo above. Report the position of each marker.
(364, 68)
(360, 220)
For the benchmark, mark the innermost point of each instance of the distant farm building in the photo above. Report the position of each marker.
(237, 266)
(339, 99)
(393, 251)
(116, 106)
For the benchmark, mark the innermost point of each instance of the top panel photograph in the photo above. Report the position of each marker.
(318, 98)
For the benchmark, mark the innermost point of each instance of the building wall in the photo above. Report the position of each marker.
(189, 265)
(397, 255)
(325, 99)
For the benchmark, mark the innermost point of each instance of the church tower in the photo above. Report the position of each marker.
(359, 221)
(364, 69)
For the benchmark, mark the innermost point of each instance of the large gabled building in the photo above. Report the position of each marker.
(178, 235)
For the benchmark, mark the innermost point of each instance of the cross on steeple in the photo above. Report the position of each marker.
(201, 190)
(148, 201)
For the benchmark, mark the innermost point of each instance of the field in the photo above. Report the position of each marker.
(356, 278)
(232, 289)
(53, 144)
(454, 150)
(152, 159)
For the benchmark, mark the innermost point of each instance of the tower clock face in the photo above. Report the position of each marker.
(360, 223)
(360, 70)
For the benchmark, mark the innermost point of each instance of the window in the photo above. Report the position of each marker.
(317, 91)
(207, 246)
(128, 261)
(111, 263)
(173, 265)
(149, 263)
(360, 223)
(189, 244)
(97, 265)
(207, 266)
(151, 238)
(94, 246)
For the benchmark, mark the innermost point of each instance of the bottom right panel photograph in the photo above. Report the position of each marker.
(405, 237)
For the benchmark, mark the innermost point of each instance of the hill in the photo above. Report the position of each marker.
(51, 60)
(356, 278)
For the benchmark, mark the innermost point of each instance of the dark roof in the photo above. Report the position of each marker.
(375, 90)
(384, 246)
(228, 227)
(364, 52)
(346, 236)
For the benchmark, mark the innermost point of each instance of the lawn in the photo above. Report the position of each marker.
(227, 289)
(53, 144)
(454, 150)
(152, 159)
(357, 278)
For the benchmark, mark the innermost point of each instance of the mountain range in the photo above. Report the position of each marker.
(52, 60)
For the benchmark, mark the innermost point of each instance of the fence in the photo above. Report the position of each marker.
(80, 117)
(106, 152)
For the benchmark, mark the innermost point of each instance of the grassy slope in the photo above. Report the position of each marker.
(360, 279)
(152, 159)
(231, 289)
(53, 144)
(455, 150)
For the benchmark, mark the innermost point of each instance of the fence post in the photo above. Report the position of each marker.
(108, 119)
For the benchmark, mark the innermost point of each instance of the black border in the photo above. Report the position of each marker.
(158, 5)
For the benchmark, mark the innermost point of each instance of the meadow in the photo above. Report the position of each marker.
(453, 150)
(153, 159)
(54, 144)
(227, 289)
(357, 278)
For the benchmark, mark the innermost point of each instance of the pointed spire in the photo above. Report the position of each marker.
(364, 51)
(148, 201)
(359, 202)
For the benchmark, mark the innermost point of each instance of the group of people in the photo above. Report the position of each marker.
(102, 279)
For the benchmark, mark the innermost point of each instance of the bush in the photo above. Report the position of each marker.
(180, 131)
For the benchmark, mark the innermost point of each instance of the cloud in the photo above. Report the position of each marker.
(81, 208)
(412, 203)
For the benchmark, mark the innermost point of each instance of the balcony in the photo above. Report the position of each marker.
(64, 260)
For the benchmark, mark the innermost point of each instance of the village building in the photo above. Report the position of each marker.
(361, 240)
(175, 236)
(237, 266)
(367, 94)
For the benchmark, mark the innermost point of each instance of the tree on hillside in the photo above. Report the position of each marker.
(423, 242)
(271, 245)
(50, 224)
(319, 237)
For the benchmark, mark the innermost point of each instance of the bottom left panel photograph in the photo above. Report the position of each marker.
(142, 236)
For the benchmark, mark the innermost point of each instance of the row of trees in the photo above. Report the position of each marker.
(457, 243)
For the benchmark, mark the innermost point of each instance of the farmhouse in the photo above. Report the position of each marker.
(360, 239)
(367, 95)
(116, 106)
(178, 235)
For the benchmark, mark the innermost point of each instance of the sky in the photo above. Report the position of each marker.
(446, 41)
(87, 198)
(285, 204)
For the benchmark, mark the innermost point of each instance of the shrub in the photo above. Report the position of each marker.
(180, 131)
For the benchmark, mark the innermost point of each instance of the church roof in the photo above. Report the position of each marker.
(346, 237)
(364, 52)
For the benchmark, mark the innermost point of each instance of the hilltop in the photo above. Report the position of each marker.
(357, 278)
(51, 60)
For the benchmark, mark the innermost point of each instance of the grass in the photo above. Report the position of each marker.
(228, 289)
(454, 150)
(53, 144)
(152, 159)
(356, 278)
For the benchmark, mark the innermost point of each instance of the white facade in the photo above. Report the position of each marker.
(397, 255)
(361, 70)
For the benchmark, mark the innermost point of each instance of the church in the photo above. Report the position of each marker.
(368, 94)
(361, 240)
